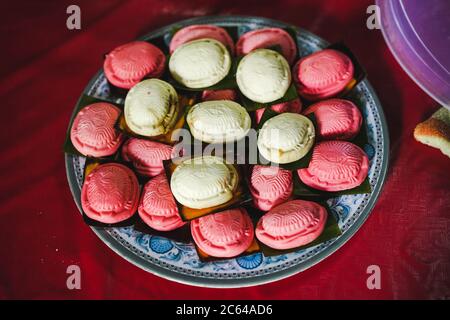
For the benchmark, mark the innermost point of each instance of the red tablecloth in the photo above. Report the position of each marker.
(45, 67)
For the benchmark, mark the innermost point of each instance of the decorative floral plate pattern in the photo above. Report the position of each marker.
(178, 261)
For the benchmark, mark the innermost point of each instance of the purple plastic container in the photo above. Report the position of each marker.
(418, 34)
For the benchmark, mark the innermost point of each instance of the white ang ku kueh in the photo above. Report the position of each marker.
(151, 108)
(263, 75)
(200, 63)
(286, 138)
(218, 121)
(204, 182)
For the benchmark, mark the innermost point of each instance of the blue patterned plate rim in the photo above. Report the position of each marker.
(196, 278)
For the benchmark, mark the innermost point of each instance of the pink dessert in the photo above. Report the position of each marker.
(294, 106)
(291, 224)
(157, 207)
(225, 94)
(323, 74)
(266, 38)
(147, 156)
(335, 166)
(93, 133)
(128, 64)
(225, 234)
(201, 31)
(110, 193)
(337, 119)
(270, 186)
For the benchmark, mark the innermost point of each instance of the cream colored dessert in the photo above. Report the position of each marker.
(218, 121)
(200, 63)
(263, 75)
(286, 138)
(151, 108)
(204, 182)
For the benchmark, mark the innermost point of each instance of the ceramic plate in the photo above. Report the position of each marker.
(179, 262)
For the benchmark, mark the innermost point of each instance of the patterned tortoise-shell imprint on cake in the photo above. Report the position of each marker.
(196, 32)
(110, 193)
(263, 76)
(266, 38)
(147, 156)
(157, 207)
(323, 74)
(224, 234)
(93, 133)
(218, 121)
(335, 166)
(128, 64)
(286, 137)
(270, 186)
(204, 182)
(336, 119)
(219, 115)
(291, 134)
(151, 107)
(291, 224)
(200, 63)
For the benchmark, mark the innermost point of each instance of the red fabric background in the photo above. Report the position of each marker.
(43, 69)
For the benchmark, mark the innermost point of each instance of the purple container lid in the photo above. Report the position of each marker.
(418, 34)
